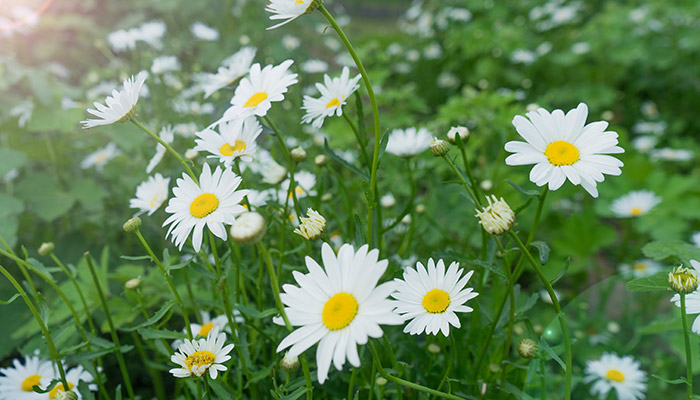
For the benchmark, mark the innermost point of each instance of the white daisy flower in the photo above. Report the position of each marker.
(635, 203)
(304, 183)
(164, 64)
(208, 323)
(641, 268)
(620, 373)
(669, 154)
(16, 382)
(290, 42)
(235, 140)
(196, 357)
(265, 165)
(150, 194)
(122, 39)
(644, 144)
(563, 147)
(334, 93)
(256, 92)
(100, 157)
(408, 142)
(339, 306)
(152, 33)
(431, 298)
(289, 10)
(212, 203)
(696, 239)
(204, 32)
(231, 70)
(73, 377)
(258, 198)
(168, 136)
(692, 300)
(121, 105)
(314, 66)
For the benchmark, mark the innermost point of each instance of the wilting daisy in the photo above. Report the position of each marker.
(620, 373)
(334, 92)
(304, 183)
(635, 203)
(100, 157)
(641, 268)
(196, 357)
(212, 203)
(563, 147)
(692, 300)
(73, 377)
(231, 70)
(167, 135)
(339, 306)
(121, 105)
(256, 92)
(235, 140)
(408, 142)
(289, 10)
(431, 298)
(150, 194)
(16, 382)
(313, 227)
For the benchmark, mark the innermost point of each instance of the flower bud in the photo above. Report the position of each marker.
(420, 208)
(682, 280)
(497, 218)
(132, 284)
(462, 131)
(381, 381)
(132, 224)
(70, 395)
(248, 228)
(433, 348)
(289, 364)
(298, 154)
(387, 201)
(326, 197)
(46, 248)
(313, 227)
(191, 154)
(439, 147)
(527, 348)
(321, 160)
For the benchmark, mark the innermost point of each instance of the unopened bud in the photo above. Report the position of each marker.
(326, 197)
(191, 154)
(682, 280)
(497, 218)
(132, 284)
(289, 364)
(46, 248)
(462, 131)
(71, 395)
(321, 160)
(439, 147)
(387, 200)
(248, 228)
(420, 208)
(527, 348)
(433, 348)
(298, 154)
(132, 224)
(381, 381)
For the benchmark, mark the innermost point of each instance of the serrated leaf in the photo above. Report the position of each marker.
(657, 281)
(543, 250)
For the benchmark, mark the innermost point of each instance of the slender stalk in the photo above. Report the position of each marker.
(560, 314)
(165, 273)
(77, 288)
(543, 381)
(453, 350)
(467, 168)
(688, 355)
(464, 183)
(511, 316)
(112, 330)
(351, 384)
(360, 142)
(167, 147)
(375, 115)
(42, 326)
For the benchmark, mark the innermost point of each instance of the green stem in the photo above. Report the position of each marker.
(112, 330)
(77, 288)
(467, 168)
(165, 273)
(560, 315)
(375, 115)
(688, 355)
(453, 350)
(351, 384)
(360, 142)
(511, 316)
(42, 326)
(464, 183)
(167, 147)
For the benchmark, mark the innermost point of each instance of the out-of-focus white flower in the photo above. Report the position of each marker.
(635, 203)
(166, 134)
(99, 158)
(165, 64)
(644, 144)
(580, 48)
(432, 51)
(314, 66)
(643, 127)
(232, 69)
(23, 112)
(290, 42)
(620, 373)
(204, 32)
(334, 93)
(522, 56)
(669, 154)
(408, 142)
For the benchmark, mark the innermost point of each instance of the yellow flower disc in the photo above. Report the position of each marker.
(228, 150)
(54, 392)
(199, 358)
(436, 301)
(561, 153)
(332, 103)
(615, 375)
(204, 330)
(339, 311)
(29, 382)
(203, 205)
(255, 99)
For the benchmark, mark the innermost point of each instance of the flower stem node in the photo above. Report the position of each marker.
(289, 364)
(462, 131)
(321, 160)
(298, 154)
(132, 224)
(682, 280)
(313, 227)
(46, 248)
(497, 218)
(527, 348)
(249, 228)
(439, 147)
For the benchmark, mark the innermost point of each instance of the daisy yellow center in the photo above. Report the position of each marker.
(199, 358)
(255, 99)
(228, 150)
(333, 103)
(29, 382)
(154, 201)
(297, 2)
(560, 153)
(203, 205)
(339, 311)
(636, 211)
(204, 330)
(640, 267)
(54, 392)
(436, 301)
(615, 375)
(299, 191)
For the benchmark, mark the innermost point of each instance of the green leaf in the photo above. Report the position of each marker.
(533, 193)
(118, 392)
(11, 159)
(88, 193)
(84, 389)
(663, 249)
(41, 193)
(344, 163)
(40, 268)
(555, 357)
(91, 355)
(657, 281)
(150, 333)
(296, 394)
(220, 390)
(369, 196)
(155, 318)
(52, 384)
(562, 272)
(543, 249)
(9, 205)
(136, 258)
(13, 298)
(359, 231)
(670, 381)
(383, 143)
(255, 314)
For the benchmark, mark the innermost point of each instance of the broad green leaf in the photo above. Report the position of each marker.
(9, 205)
(155, 318)
(11, 159)
(663, 249)
(150, 333)
(657, 281)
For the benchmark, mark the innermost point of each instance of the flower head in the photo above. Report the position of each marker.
(563, 147)
(212, 203)
(99, 158)
(497, 218)
(635, 204)
(430, 298)
(196, 357)
(151, 194)
(231, 70)
(620, 373)
(121, 105)
(16, 382)
(461, 131)
(289, 10)
(248, 228)
(408, 142)
(236, 139)
(683, 280)
(641, 268)
(313, 227)
(338, 305)
(334, 94)
(686, 279)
